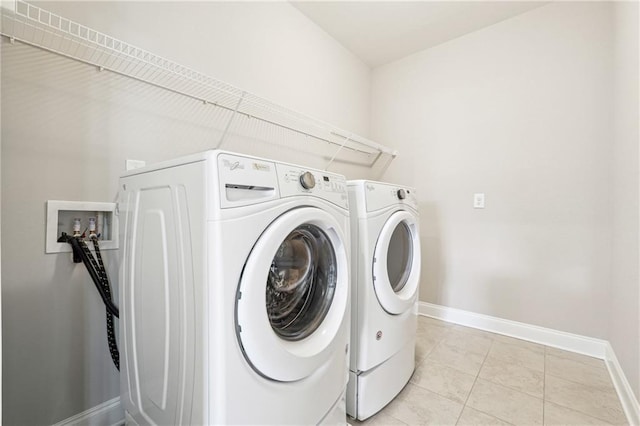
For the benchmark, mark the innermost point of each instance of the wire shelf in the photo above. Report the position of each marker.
(40, 28)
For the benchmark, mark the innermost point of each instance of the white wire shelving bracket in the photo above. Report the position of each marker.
(40, 28)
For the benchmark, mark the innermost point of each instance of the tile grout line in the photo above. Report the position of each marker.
(621, 410)
(579, 361)
(474, 382)
(599, 420)
(438, 341)
(493, 340)
(394, 418)
(594, 387)
(546, 352)
(513, 389)
(575, 383)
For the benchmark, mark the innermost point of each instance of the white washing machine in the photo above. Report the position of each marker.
(234, 293)
(385, 280)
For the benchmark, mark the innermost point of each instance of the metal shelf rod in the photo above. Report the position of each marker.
(74, 41)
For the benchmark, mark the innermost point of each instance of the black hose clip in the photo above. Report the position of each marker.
(66, 238)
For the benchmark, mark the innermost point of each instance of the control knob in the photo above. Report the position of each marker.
(402, 194)
(307, 180)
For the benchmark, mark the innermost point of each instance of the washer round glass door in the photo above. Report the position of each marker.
(301, 283)
(293, 294)
(396, 265)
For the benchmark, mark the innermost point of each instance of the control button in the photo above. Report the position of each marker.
(307, 180)
(402, 194)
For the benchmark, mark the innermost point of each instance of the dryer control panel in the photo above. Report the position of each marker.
(381, 195)
(295, 180)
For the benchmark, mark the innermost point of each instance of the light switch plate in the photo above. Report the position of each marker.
(478, 201)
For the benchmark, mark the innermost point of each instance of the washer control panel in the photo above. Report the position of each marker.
(294, 180)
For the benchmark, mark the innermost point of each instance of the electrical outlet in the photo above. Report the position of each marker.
(135, 164)
(478, 201)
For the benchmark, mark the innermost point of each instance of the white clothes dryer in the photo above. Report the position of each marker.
(234, 293)
(385, 280)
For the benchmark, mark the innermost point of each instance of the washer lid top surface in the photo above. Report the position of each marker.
(396, 263)
(293, 294)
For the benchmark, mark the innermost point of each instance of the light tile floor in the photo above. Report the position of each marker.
(466, 376)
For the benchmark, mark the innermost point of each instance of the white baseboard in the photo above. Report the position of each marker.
(627, 398)
(107, 413)
(596, 348)
(533, 333)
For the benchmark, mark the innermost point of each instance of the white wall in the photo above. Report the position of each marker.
(67, 130)
(268, 49)
(520, 111)
(624, 320)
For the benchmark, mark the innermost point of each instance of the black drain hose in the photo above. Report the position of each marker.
(111, 336)
(81, 248)
(98, 274)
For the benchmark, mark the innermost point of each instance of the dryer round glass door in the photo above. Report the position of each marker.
(400, 256)
(396, 265)
(293, 293)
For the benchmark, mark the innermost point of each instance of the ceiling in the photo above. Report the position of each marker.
(379, 32)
